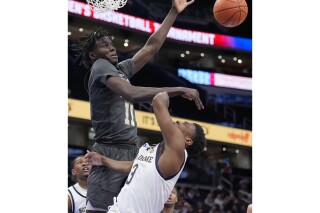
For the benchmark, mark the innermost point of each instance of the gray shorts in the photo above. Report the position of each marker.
(104, 183)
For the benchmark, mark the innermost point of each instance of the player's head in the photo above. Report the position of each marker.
(80, 167)
(195, 139)
(173, 198)
(97, 44)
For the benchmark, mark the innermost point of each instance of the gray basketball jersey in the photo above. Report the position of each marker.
(112, 116)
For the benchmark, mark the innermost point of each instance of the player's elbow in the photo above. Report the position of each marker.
(132, 97)
(129, 94)
(153, 45)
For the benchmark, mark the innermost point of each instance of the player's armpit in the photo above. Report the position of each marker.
(143, 56)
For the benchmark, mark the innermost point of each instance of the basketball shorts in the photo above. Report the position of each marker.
(103, 183)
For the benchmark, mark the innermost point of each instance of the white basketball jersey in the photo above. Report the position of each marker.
(78, 196)
(145, 190)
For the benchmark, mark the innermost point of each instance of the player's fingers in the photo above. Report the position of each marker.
(200, 103)
(190, 2)
(197, 103)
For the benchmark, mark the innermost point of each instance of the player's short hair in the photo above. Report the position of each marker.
(86, 44)
(199, 142)
(74, 160)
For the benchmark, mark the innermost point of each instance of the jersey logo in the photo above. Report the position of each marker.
(150, 149)
(82, 210)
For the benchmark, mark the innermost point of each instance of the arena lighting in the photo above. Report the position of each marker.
(224, 149)
(239, 61)
(182, 55)
(125, 44)
(202, 54)
(126, 40)
(187, 52)
(237, 151)
(219, 56)
(148, 26)
(216, 79)
(222, 60)
(235, 58)
(80, 29)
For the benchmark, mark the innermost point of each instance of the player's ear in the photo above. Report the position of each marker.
(73, 172)
(189, 141)
(92, 55)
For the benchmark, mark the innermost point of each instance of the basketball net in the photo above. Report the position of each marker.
(101, 6)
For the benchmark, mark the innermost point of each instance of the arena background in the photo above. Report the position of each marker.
(34, 103)
(216, 61)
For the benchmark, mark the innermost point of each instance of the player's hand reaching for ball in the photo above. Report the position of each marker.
(180, 5)
(192, 95)
(93, 158)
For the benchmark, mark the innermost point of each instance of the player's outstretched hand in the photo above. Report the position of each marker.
(93, 158)
(193, 95)
(180, 5)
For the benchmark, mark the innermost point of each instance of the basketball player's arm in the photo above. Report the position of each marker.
(95, 159)
(136, 94)
(173, 138)
(157, 39)
(69, 205)
(249, 208)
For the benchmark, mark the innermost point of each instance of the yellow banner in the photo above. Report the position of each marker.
(147, 120)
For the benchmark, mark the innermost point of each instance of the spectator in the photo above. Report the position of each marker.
(78, 192)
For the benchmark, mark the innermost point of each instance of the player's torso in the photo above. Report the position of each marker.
(113, 117)
(145, 190)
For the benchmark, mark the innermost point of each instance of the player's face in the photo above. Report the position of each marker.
(104, 49)
(81, 168)
(188, 129)
(173, 198)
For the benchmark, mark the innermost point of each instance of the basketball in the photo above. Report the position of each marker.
(230, 13)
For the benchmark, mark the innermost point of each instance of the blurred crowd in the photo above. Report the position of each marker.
(210, 188)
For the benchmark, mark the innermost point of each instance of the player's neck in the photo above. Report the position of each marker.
(168, 210)
(83, 183)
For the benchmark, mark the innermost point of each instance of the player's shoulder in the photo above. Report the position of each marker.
(126, 66)
(101, 63)
(73, 186)
(125, 62)
(101, 67)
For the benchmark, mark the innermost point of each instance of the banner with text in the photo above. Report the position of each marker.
(146, 120)
(149, 26)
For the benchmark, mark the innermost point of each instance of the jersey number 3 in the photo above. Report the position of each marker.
(135, 167)
(129, 116)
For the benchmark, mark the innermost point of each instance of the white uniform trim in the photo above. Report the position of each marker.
(78, 198)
